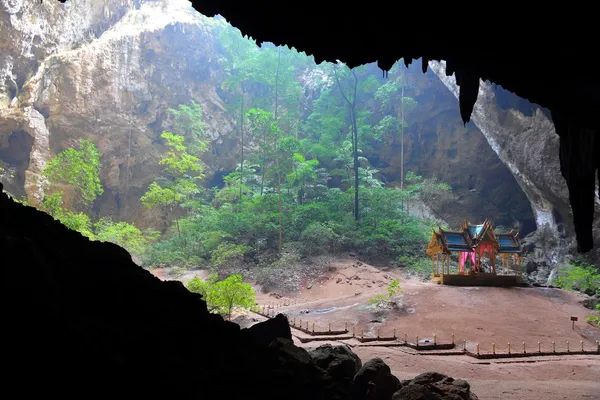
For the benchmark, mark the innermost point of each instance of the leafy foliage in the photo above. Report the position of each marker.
(122, 233)
(223, 296)
(594, 317)
(79, 168)
(580, 276)
(309, 133)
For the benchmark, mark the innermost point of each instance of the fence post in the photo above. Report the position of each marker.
(539, 347)
(417, 341)
(378, 333)
(453, 339)
(477, 348)
(346, 328)
(493, 348)
(330, 326)
(508, 347)
(406, 338)
(313, 327)
(434, 339)
(568, 347)
(464, 345)
(300, 324)
(294, 321)
(582, 346)
(362, 333)
(524, 351)
(553, 347)
(353, 327)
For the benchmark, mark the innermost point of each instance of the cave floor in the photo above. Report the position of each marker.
(478, 315)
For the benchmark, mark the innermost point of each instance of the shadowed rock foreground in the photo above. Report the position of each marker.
(81, 318)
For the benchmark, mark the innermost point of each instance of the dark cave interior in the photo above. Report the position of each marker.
(90, 330)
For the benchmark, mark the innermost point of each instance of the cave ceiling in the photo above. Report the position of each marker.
(543, 54)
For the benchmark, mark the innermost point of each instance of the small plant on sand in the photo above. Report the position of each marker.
(385, 300)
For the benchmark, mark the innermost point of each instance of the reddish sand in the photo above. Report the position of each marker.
(475, 314)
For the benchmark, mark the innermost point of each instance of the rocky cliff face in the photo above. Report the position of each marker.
(438, 143)
(526, 142)
(110, 70)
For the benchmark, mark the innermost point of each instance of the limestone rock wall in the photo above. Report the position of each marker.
(111, 81)
(109, 70)
(527, 144)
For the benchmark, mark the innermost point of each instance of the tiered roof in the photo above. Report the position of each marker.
(508, 243)
(469, 237)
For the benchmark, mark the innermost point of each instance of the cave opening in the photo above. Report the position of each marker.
(14, 155)
(89, 305)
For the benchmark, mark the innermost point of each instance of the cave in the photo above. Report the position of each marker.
(16, 157)
(74, 331)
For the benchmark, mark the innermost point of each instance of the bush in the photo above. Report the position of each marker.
(581, 276)
(319, 238)
(594, 317)
(223, 296)
(415, 265)
(229, 255)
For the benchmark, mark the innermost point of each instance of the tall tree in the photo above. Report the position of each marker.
(182, 170)
(349, 94)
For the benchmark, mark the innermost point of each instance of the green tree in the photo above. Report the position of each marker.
(189, 122)
(234, 292)
(347, 83)
(79, 169)
(223, 296)
(179, 186)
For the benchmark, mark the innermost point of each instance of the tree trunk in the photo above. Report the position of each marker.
(402, 129)
(179, 234)
(264, 162)
(351, 101)
(280, 205)
(356, 165)
(355, 148)
(242, 140)
(278, 170)
(277, 82)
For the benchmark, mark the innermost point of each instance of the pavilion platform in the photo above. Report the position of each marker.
(478, 279)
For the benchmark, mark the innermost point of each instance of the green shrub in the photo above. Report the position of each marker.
(229, 255)
(223, 296)
(580, 276)
(319, 238)
(594, 317)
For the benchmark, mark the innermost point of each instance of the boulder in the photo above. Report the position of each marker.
(591, 302)
(434, 386)
(338, 361)
(375, 381)
(266, 332)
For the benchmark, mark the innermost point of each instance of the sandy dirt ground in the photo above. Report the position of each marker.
(477, 315)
